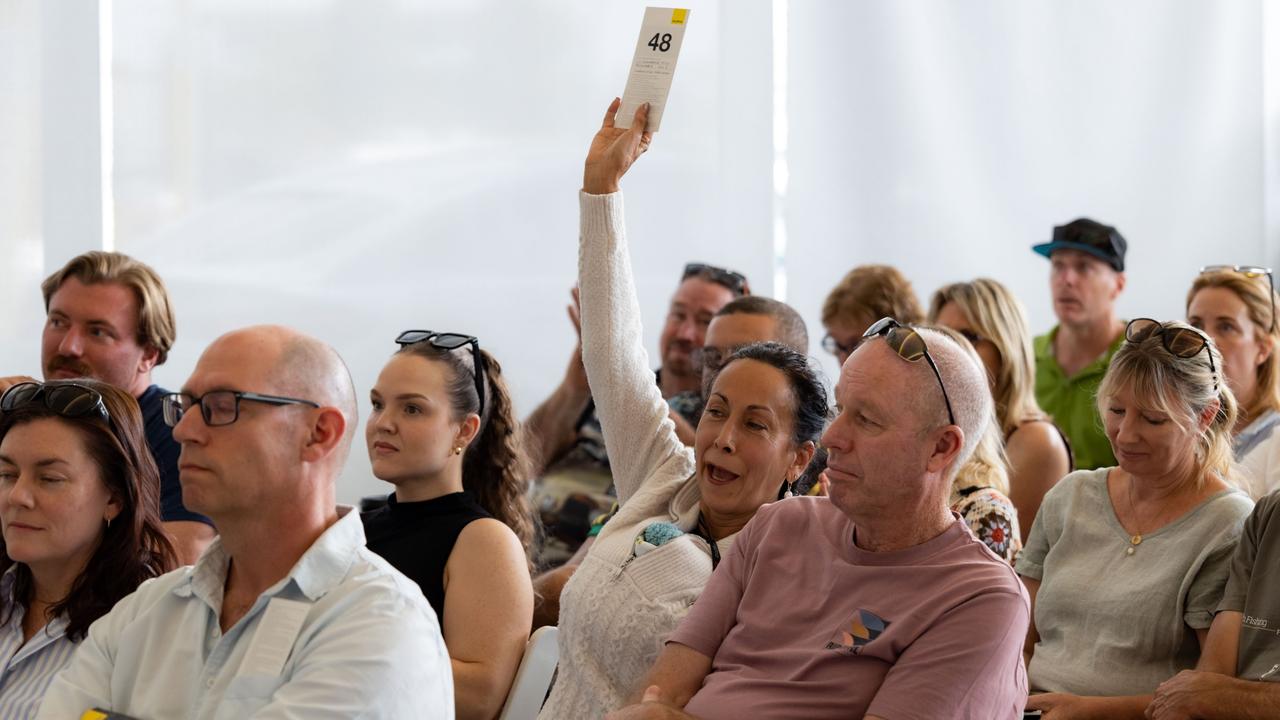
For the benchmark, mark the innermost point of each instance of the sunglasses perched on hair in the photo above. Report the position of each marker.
(68, 400)
(1252, 272)
(1182, 342)
(219, 407)
(450, 341)
(908, 344)
(736, 282)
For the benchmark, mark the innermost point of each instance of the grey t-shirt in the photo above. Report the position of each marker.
(1254, 589)
(1113, 622)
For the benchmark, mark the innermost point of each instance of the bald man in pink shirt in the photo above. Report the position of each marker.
(876, 602)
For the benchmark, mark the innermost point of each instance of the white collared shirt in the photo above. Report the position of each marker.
(28, 665)
(369, 645)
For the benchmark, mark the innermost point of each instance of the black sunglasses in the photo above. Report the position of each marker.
(450, 341)
(908, 344)
(67, 399)
(1183, 342)
(1251, 272)
(219, 407)
(736, 282)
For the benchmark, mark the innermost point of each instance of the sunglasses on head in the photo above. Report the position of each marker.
(910, 346)
(1182, 342)
(450, 341)
(736, 282)
(66, 399)
(1252, 272)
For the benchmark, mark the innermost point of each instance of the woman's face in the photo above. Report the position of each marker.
(411, 432)
(1223, 316)
(744, 439)
(951, 316)
(53, 502)
(1148, 443)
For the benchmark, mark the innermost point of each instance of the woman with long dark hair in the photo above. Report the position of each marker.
(80, 513)
(443, 431)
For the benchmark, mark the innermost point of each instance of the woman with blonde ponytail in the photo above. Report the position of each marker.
(443, 432)
(1126, 565)
(1236, 307)
(980, 490)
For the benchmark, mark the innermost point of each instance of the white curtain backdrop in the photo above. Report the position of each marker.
(355, 168)
(947, 138)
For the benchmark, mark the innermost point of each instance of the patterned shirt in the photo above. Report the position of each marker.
(992, 518)
(29, 665)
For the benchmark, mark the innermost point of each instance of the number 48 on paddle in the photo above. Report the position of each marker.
(654, 65)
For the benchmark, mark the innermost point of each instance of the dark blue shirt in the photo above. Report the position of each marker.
(165, 450)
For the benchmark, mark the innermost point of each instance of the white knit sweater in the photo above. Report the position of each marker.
(618, 609)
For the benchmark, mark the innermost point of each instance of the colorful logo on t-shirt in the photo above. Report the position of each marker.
(862, 629)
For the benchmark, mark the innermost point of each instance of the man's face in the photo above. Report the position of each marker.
(1084, 288)
(847, 333)
(234, 470)
(878, 448)
(92, 331)
(696, 301)
(725, 335)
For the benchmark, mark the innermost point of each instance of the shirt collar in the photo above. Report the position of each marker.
(1255, 433)
(56, 628)
(318, 571)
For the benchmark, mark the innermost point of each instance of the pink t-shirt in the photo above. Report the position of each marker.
(799, 622)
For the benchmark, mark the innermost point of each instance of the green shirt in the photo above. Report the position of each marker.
(1072, 401)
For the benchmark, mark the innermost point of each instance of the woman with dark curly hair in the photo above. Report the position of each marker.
(443, 431)
(80, 512)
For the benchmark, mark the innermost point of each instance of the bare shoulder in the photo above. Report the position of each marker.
(1036, 440)
(486, 536)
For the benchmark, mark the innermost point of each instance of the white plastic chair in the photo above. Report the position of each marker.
(533, 678)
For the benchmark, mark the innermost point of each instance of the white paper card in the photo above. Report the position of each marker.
(274, 637)
(653, 66)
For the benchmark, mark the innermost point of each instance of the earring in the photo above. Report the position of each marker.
(108, 523)
(457, 450)
(790, 487)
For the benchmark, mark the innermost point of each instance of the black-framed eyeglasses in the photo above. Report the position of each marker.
(833, 346)
(66, 399)
(450, 341)
(219, 407)
(1251, 272)
(1183, 342)
(735, 281)
(910, 346)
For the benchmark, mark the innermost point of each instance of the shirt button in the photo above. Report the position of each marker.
(209, 683)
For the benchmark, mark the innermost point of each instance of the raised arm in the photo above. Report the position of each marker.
(552, 427)
(638, 434)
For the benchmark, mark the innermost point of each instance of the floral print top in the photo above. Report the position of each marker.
(992, 519)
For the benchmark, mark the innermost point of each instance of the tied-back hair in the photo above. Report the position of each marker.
(996, 314)
(134, 546)
(811, 410)
(988, 466)
(1257, 297)
(1182, 388)
(495, 467)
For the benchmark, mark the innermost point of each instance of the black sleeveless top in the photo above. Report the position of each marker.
(418, 537)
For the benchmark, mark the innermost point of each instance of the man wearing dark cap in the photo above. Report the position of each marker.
(1086, 278)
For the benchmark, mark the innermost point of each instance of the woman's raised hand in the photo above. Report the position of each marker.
(614, 149)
